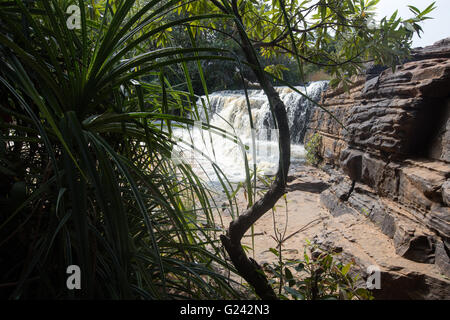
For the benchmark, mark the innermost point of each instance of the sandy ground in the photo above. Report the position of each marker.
(359, 239)
(301, 212)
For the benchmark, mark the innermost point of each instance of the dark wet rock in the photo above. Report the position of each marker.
(334, 204)
(308, 186)
(373, 70)
(414, 246)
(351, 163)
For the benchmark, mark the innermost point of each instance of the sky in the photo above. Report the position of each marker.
(434, 30)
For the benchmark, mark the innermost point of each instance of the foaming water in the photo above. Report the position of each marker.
(228, 110)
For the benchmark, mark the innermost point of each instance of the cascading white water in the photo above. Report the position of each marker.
(228, 110)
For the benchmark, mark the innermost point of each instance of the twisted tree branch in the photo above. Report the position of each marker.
(248, 268)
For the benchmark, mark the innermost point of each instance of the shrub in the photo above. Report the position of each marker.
(319, 276)
(312, 150)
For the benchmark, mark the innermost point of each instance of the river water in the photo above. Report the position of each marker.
(228, 110)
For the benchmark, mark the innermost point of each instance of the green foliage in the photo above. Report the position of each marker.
(276, 70)
(339, 36)
(86, 175)
(312, 148)
(319, 276)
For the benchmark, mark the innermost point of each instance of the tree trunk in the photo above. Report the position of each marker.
(248, 268)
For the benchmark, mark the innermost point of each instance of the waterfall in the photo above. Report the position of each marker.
(228, 110)
(232, 107)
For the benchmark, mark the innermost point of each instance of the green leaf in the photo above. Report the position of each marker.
(297, 295)
(274, 251)
(346, 268)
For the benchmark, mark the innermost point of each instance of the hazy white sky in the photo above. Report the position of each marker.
(434, 30)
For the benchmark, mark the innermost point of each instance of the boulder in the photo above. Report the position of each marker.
(351, 163)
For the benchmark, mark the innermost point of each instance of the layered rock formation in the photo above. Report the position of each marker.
(395, 144)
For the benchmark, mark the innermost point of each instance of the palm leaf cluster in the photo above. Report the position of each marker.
(86, 176)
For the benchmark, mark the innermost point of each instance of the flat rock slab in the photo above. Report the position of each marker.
(302, 216)
(366, 246)
(308, 186)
